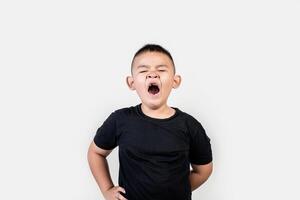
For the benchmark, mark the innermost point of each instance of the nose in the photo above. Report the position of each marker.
(152, 75)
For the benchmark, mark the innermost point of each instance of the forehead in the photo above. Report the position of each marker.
(151, 59)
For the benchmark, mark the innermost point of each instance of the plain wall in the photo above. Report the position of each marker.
(63, 69)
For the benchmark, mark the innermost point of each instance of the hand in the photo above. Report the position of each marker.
(114, 193)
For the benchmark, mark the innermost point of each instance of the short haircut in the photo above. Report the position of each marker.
(152, 48)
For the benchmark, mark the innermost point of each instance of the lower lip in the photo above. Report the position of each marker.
(154, 95)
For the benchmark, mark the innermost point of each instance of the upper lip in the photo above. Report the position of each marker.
(154, 82)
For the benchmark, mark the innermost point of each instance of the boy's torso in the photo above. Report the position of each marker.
(153, 155)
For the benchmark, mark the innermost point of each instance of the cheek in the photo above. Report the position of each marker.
(139, 84)
(167, 82)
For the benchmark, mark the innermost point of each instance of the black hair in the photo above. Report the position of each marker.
(152, 48)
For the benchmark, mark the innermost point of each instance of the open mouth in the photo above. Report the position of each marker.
(153, 89)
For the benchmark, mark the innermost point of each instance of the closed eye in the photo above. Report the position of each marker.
(161, 70)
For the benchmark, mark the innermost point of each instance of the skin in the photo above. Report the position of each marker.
(160, 69)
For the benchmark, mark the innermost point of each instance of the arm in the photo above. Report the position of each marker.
(200, 174)
(99, 166)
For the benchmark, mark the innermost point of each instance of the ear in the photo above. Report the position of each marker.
(176, 81)
(130, 82)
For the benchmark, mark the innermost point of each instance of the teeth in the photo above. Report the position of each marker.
(153, 84)
(153, 90)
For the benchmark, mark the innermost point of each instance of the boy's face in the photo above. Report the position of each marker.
(153, 68)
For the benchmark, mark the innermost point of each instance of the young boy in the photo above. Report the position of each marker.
(157, 143)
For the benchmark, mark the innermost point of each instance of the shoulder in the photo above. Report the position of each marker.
(191, 120)
(123, 112)
(116, 116)
(193, 125)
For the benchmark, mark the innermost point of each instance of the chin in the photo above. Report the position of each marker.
(153, 104)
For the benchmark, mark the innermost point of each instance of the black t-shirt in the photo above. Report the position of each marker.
(155, 154)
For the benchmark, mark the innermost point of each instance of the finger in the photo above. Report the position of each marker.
(121, 189)
(121, 197)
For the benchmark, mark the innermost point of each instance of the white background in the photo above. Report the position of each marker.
(63, 68)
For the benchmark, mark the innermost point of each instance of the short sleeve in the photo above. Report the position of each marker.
(105, 136)
(200, 152)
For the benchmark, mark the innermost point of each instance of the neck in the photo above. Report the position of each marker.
(163, 111)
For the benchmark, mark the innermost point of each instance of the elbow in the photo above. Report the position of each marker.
(203, 170)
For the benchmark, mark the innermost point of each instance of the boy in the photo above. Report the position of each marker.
(157, 143)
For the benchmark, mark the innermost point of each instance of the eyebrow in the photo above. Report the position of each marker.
(147, 66)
